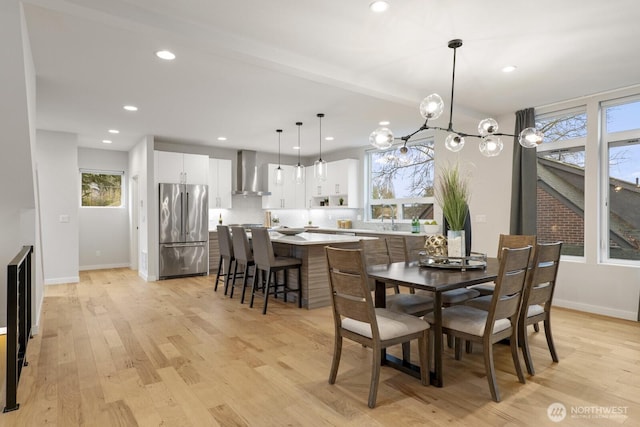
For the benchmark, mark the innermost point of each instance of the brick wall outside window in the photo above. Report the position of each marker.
(557, 222)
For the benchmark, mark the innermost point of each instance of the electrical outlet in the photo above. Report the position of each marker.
(98, 253)
(481, 218)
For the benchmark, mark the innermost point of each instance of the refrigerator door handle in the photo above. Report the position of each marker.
(182, 245)
(187, 231)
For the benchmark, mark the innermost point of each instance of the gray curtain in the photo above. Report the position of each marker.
(524, 180)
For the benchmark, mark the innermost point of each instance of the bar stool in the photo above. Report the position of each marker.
(266, 261)
(244, 258)
(226, 256)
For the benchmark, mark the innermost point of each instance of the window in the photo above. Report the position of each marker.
(401, 185)
(621, 139)
(101, 188)
(561, 167)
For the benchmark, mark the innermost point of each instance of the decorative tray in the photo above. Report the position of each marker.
(290, 231)
(475, 261)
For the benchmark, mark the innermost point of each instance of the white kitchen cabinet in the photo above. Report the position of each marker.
(341, 184)
(219, 184)
(289, 195)
(181, 168)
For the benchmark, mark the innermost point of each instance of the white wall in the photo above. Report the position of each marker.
(17, 107)
(104, 232)
(59, 190)
(141, 167)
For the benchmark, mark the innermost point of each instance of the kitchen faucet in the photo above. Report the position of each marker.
(394, 227)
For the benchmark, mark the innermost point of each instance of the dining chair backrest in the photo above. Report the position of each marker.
(241, 246)
(375, 251)
(224, 241)
(509, 288)
(413, 245)
(542, 277)
(350, 293)
(513, 241)
(263, 254)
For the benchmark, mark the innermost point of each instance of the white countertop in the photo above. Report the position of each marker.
(304, 239)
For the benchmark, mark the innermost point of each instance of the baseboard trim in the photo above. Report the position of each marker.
(62, 280)
(596, 309)
(104, 266)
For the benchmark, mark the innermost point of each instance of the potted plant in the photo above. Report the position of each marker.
(452, 195)
(341, 201)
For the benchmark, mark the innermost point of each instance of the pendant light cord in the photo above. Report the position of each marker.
(320, 116)
(279, 133)
(299, 146)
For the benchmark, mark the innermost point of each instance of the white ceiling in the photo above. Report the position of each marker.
(247, 67)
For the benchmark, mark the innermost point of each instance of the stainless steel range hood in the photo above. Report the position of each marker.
(249, 183)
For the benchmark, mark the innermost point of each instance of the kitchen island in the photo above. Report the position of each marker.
(309, 247)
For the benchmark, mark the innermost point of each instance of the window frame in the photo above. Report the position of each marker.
(123, 198)
(397, 202)
(571, 144)
(607, 140)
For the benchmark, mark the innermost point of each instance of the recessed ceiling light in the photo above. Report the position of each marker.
(296, 147)
(379, 6)
(130, 108)
(222, 138)
(166, 55)
(384, 123)
(509, 68)
(114, 131)
(329, 138)
(106, 141)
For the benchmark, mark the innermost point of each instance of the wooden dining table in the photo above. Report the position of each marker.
(433, 279)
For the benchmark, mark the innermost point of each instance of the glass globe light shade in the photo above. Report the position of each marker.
(487, 127)
(454, 142)
(491, 146)
(381, 138)
(279, 176)
(432, 107)
(404, 150)
(298, 174)
(320, 170)
(530, 138)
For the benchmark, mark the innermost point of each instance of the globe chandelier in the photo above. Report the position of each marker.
(432, 108)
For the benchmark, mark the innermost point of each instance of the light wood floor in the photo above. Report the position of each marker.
(114, 350)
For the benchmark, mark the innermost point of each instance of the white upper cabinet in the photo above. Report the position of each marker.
(219, 184)
(180, 168)
(340, 188)
(289, 195)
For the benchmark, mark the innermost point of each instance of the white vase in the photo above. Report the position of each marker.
(456, 243)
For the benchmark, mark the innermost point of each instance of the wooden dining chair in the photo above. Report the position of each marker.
(376, 251)
(266, 261)
(499, 322)
(244, 259)
(227, 258)
(510, 241)
(537, 299)
(356, 318)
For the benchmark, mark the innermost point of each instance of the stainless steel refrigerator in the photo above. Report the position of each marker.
(184, 230)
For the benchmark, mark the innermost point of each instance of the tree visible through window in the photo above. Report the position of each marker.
(102, 189)
(401, 185)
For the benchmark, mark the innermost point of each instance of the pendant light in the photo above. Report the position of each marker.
(320, 166)
(299, 169)
(279, 176)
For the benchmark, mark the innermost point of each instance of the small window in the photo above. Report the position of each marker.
(623, 117)
(102, 188)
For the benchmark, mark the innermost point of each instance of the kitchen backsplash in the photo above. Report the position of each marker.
(248, 210)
